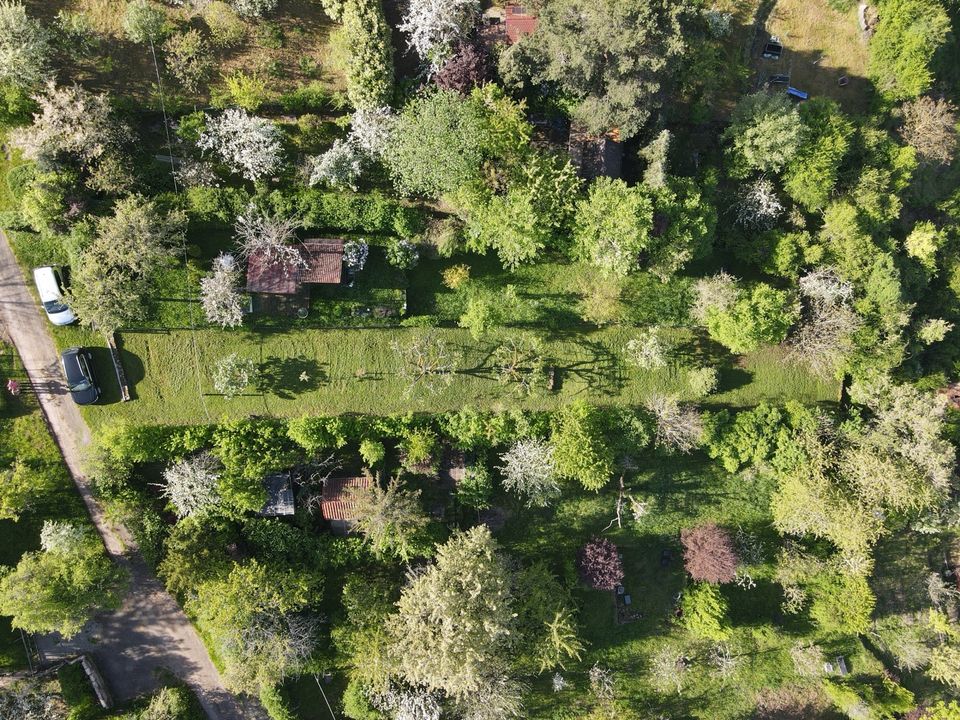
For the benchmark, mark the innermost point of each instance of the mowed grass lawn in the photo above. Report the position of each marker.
(328, 372)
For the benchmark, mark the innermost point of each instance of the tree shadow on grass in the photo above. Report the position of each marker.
(288, 377)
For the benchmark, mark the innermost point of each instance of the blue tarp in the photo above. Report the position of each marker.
(793, 92)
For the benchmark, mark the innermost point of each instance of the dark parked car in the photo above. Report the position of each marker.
(78, 369)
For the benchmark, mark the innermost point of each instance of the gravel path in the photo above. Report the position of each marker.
(149, 631)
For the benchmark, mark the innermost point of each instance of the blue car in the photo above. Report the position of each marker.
(78, 370)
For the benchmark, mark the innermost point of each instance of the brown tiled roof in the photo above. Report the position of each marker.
(519, 22)
(324, 259)
(336, 504)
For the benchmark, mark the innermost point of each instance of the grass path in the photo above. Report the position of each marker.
(328, 372)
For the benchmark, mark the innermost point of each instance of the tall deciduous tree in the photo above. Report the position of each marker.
(248, 145)
(435, 27)
(392, 519)
(454, 622)
(191, 484)
(612, 56)
(254, 621)
(612, 226)
(930, 127)
(907, 37)
(812, 173)
(580, 446)
(112, 276)
(530, 470)
(709, 554)
(59, 588)
(764, 133)
(24, 47)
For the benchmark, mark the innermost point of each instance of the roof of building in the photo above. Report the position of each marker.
(519, 22)
(595, 155)
(335, 502)
(324, 265)
(279, 495)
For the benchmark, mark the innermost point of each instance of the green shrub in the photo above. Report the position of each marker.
(355, 703)
(370, 62)
(275, 705)
(20, 178)
(77, 693)
(705, 612)
(762, 317)
(419, 447)
(226, 28)
(314, 97)
(320, 210)
(841, 604)
(476, 488)
(372, 452)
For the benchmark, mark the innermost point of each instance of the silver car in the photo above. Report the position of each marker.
(50, 288)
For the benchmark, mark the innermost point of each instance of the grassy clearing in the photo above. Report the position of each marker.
(288, 51)
(821, 45)
(682, 492)
(355, 371)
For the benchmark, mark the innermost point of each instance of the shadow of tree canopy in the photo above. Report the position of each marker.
(288, 377)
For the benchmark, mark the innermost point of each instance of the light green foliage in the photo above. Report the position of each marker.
(59, 588)
(454, 622)
(226, 29)
(764, 133)
(475, 490)
(188, 59)
(924, 243)
(580, 447)
(612, 226)
(24, 47)
(145, 22)
(247, 91)
(372, 452)
(811, 174)
(763, 316)
(705, 612)
(370, 60)
(942, 711)
(195, 552)
(487, 311)
(702, 381)
(762, 435)
(419, 447)
(392, 520)
(841, 604)
(368, 599)
(249, 619)
(945, 665)
(934, 330)
(112, 277)
(909, 33)
(437, 145)
(657, 155)
(171, 703)
(610, 56)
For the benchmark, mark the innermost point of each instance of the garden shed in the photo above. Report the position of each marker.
(336, 507)
(595, 155)
(323, 265)
(279, 489)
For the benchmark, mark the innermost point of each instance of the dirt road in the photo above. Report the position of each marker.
(149, 631)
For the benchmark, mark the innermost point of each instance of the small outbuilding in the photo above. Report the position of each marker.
(279, 487)
(595, 155)
(322, 265)
(508, 24)
(336, 507)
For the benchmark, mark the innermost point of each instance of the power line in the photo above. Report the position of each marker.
(183, 239)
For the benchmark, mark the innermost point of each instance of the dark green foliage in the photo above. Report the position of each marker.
(195, 552)
(811, 174)
(249, 450)
(372, 213)
(370, 65)
(78, 693)
(273, 702)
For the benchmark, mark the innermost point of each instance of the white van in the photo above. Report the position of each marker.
(50, 287)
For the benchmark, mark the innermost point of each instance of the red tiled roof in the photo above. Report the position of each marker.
(324, 260)
(336, 504)
(519, 23)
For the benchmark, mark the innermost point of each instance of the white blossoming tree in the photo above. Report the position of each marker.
(253, 8)
(678, 428)
(247, 144)
(759, 207)
(650, 349)
(233, 374)
(24, 47)
(191, 484)
(371, 129)
(435, 26)
(61, 537)
(716, 293)
(270, 237)
(338, 167)
(71, 122)
(220, 293)
(530, 470)
(355, 254)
